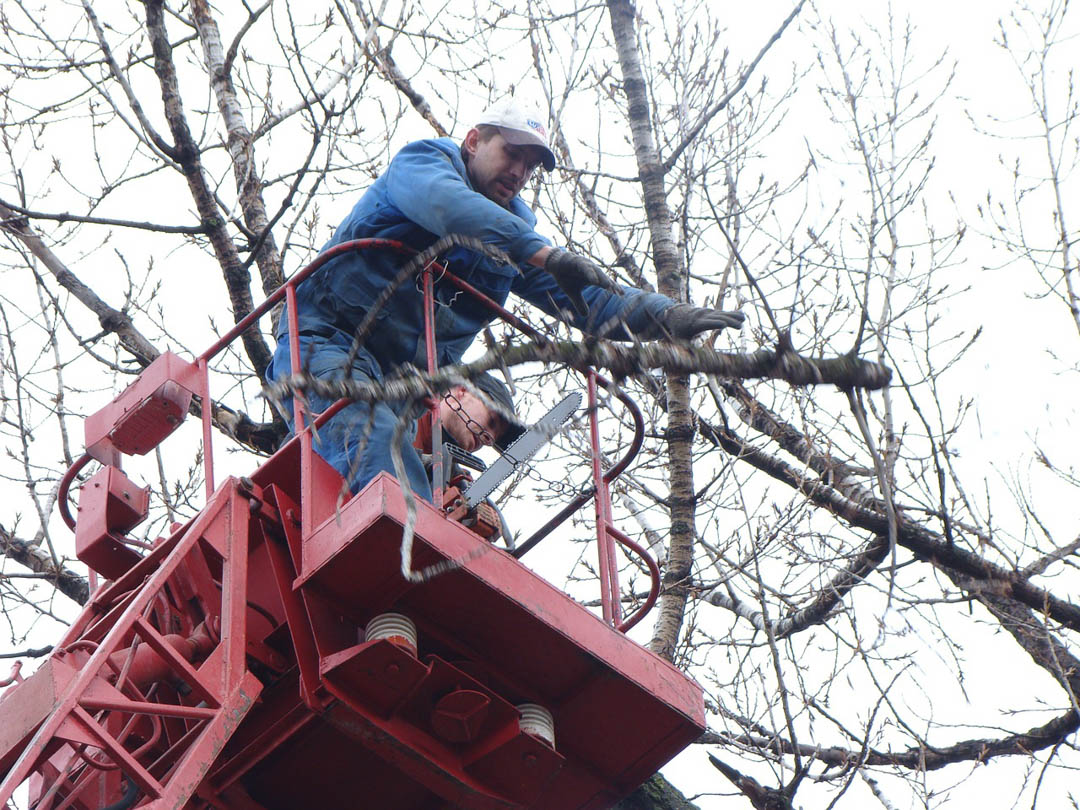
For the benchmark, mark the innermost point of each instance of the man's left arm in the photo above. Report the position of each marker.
(565, 281)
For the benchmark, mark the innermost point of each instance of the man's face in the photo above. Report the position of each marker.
(470, 423)
(499, 169)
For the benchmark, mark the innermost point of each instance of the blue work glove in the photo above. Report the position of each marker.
(573, 273)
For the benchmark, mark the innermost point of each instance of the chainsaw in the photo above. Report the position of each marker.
(468, 506)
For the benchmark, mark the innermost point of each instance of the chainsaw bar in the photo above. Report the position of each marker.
(521, 450)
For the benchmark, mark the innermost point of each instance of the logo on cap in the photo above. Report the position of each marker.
(538, 127)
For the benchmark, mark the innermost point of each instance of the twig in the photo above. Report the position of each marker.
(31, 653)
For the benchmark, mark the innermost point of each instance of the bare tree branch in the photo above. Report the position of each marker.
(188, 156)
(192, 230)
(69, 583)
(111, 320)
(241, 148)
(827, 599)
(740, 83)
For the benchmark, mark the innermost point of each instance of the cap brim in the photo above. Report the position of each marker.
(512, 433)
(520, 137)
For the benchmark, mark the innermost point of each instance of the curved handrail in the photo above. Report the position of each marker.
(619, 467)
(613, 472)
(654, 577)
(504, 314)
(65, 485)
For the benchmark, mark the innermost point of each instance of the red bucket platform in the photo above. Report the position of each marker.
(441, 729)
(224, 666)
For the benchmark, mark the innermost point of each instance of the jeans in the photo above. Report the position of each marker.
(341, 440)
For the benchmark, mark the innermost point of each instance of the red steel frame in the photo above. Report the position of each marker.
(113, 627)
(107, 644)
(607, 534)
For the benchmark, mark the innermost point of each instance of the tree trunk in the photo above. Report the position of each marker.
(671, 281)
(656, 794)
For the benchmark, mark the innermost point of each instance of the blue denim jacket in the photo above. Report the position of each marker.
(423, 195)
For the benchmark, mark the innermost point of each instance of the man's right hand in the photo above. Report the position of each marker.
(685, 321)
(573, 273)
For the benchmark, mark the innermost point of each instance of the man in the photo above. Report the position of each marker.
(469, 422)
(431, 189)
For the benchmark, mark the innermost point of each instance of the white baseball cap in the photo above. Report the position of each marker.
(520, 125)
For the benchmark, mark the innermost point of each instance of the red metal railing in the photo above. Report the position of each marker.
(610, 598)
(607, 534)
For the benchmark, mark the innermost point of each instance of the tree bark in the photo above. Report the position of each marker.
(671, 281)
(241, 148)
(656, 794)
(187, 154)
(39, 561)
